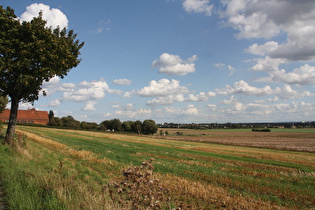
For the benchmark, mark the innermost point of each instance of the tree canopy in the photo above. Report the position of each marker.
(31, 53)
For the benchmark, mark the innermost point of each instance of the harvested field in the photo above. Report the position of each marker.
(83, 169)
(291, 141)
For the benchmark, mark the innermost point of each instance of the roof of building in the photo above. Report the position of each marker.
(27, 114)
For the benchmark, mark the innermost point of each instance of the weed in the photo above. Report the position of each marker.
(139, 189)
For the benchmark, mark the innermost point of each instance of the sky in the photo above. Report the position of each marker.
(183, 61)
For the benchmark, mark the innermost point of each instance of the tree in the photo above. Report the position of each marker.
(3, 103)
(136, 126)
(116, 124)
(70, 122)
(51, 116)
(149, 127)
(126, 126)
(31, 53)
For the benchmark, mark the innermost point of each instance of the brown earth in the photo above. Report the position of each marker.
(302, 142)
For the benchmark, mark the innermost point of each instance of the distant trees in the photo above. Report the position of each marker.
(149, 127)
(113, 125)
(146, 127)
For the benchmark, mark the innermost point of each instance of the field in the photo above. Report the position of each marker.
(282, 139)
(68, 169)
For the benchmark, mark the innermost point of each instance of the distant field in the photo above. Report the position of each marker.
(279, 130)
(283, 139)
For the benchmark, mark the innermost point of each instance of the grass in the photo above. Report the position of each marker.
(67, 169)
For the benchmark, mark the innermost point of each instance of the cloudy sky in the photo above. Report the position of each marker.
(184, 60)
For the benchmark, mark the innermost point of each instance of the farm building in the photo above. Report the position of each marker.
(27, 116)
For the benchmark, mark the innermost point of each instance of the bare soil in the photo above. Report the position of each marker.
(302, 142)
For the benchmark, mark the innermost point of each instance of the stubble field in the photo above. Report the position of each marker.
(83, 170)
(282, 139)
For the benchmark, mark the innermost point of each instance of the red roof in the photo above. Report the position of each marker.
(27, 116)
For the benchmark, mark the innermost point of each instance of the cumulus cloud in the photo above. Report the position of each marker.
(198, 6)
(191, 110)
(54, 103)
(303, 75)
(53, 16)
(121, 82)
(166, 100)
(267, 64)
(173, 65)
(244, 88)
(200, 97)
(130, 113)
(90, 106)
(55, 85)
(87, 91)
(163, 87)
(286, 92)
(269, 18)
(264, 49)
(211, 94)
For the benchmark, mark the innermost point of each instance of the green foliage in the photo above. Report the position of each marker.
(3, 103)
(113, 125)
(88, 125)
(149, 127)
(136, 126)
(31, 53)
(69, 122)
(126, 126)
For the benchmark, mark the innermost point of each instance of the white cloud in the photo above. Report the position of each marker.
(242, 87)
(264, 49)
(269, 18)
(288, 93)
(219, 65)
(211, 94)
(163, 87)
(53, 16)
(90, 106)
(212, 106)
(191, 110)
(200, 97)
(54, 103)
(232, 100)
(54, 85)
(303, 75)
(269, 100)
(198, 6)
(129, 112)
(89, 91)
(173, 65)
(122, 82)
(267, 64)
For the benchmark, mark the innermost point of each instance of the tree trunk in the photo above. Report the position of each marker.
(12, 121)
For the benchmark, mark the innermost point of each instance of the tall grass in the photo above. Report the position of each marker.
(35, 177)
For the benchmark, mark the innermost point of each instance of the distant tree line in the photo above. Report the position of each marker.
(203, 126)
(147, 127)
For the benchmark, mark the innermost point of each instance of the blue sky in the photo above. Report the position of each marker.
(183, 61)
